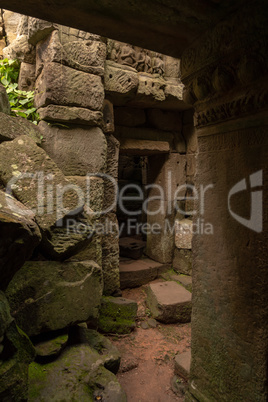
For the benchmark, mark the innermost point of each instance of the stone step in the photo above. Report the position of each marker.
(182, 364)
(139, 272)
(169, 302)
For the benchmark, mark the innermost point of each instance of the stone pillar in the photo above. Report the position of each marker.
(225, 80)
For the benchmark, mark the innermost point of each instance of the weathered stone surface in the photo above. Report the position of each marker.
(120, 84)
(129, 116)
(61, 85)
(27, 77)
(13, 127)
(11, 21)
(34, 179)
(74, 115)
(19, 235)
(16, 356)
(4, 102)
(83, 55)
(50, 349)
(79, 375)
(169, 302)
(144, 133)
(190, 135)
(172, 67)
(46, 295)
(164, 119)
(20, 49)
(151, 87)
(110, 253)
(143, 147)
(92, 186)
(108, 352)
(184, 234)
(39, 29)
(140, 272)
(108, 117)
(182, 261)
(68, 35)
(182, 364)
(77, 151)
(110, 183)
(117, 315)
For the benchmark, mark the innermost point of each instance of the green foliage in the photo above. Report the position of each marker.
(21, 102)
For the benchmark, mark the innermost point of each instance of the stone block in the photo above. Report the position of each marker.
(39, 29)
(47, 295)
(78, 374)
(20, 49)
(51, 348)
(184, 234)
(139, 272)
(71, 115)
(26, 77)
(120, 84)
(4, 102)
(182, 261)
(91, 251)
(182, 364)
(129, 116)
(150, 87)
(144, 133)
(190, 136)
(93, 189)
(78, 151)
(13, 127)
(169, 302)
(83, 55)
(110, 183)
(117, 315)
(165, 120)
(172, 67)
(62, 85)
(11, 21)
(19, 235)
(68, 34)
(131, 146)
(108, 117)
(190, 165)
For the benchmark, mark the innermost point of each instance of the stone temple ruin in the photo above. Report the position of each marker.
(133, 170)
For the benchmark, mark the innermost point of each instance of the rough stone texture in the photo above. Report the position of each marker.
(74, 115)
(83, 55)
(144, 133)
(184, 234)
(61, 85)
(169, 302)
(110, 184)
(11, 21)
(164, 119)
(110, 253)
(182, 261)
(50, 349)
(20, 49)
(140, 272)
(108, 117)
(129, 116)
(4, 102)
(109, 353)
(16, 356)
(19, 235)
(120, 84)
(117, 315)
(131, 146)
(78, 151)
(92, 187)
(79, 374)
(182, 364)
(13, 127)
(172, 67)
(39, 29)
(46, 295)
(57, 215)
(26, 77)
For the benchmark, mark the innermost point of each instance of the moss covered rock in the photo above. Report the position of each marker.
(117, 315)
(78, 375)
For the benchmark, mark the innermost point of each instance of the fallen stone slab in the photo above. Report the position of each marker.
(169, 302)
(78, 375)
(182, 364)
(139, 272)
(19, 235)
(47, 295)
(13, 127)
(117, 315)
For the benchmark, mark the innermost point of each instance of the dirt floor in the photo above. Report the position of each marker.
(147, 364)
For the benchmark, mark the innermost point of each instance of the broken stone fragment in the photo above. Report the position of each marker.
(50, 349)
(39, 29)
(4, 102)
(13, 127)
(169, 302)
(19, 235)
(47, 295)
(78, 374)
(182, 364)
(20, 49)
(117, 315)
(62, 85)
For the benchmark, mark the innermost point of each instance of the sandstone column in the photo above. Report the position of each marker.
(225, 77)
